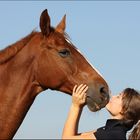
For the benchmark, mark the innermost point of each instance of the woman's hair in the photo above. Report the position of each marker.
(131, 111)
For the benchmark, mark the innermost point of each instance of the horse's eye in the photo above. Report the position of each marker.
(64, 53)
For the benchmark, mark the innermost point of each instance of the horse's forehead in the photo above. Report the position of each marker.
(57, 39)
(57, 36)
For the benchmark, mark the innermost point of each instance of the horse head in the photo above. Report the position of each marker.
(60, 65)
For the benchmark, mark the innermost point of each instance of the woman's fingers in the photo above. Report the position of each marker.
(83, 93)
(79, 94)
(74, 89)
(80, 88)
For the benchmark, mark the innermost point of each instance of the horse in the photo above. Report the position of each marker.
(43, 60)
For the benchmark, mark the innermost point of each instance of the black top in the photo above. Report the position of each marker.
(114, 129)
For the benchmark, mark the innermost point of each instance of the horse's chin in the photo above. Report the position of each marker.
(93, 105)
(93, 108)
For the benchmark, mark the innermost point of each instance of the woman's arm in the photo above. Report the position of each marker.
(71, 124)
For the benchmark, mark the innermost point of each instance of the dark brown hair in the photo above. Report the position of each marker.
(131, 111)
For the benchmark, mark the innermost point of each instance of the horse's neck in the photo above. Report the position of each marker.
(17, 93)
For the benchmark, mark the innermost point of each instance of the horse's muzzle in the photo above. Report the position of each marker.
(97, 98)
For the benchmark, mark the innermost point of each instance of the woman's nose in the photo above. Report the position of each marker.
(112, 97)
(110, 93)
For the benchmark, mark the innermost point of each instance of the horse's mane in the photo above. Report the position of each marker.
(13, 49)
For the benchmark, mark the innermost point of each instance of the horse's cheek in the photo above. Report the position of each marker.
(42, 70)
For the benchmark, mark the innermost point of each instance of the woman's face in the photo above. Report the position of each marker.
(115, 105)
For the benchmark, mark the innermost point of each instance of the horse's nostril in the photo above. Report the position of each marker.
(103, 90)
(104, 93)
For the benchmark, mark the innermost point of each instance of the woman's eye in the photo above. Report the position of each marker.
(64, 53)
(118, 96)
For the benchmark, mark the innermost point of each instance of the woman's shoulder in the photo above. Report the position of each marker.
(102, 133)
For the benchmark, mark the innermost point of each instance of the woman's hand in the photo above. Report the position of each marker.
(79, 95)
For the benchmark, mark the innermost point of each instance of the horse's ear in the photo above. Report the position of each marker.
(45, 23)
(62, 25)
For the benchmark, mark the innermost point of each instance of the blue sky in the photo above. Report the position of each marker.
(108, 35)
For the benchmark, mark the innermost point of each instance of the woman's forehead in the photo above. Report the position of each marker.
(121, 94)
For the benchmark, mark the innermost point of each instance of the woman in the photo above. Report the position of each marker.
(124, 109)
